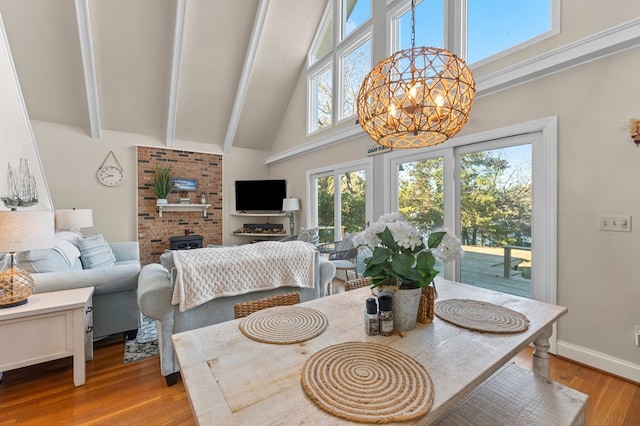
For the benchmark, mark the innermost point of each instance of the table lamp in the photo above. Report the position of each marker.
(73, 219)
(290, 205)
(21, 231)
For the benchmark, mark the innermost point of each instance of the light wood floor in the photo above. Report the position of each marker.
(136, 393)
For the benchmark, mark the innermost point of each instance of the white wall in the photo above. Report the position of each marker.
(71, 159)
(16, 137)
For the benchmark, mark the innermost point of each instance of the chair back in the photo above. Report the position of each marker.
(348, 254)
(243, 309)
(357, 283)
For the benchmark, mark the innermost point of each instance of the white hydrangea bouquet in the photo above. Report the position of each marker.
(401, 256)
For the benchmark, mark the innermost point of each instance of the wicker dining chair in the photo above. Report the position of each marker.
(357, 283)
(243, 309)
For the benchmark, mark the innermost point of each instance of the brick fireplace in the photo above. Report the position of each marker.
(154, 231)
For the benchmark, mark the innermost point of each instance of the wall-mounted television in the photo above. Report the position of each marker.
(254, 195)
(183, 184)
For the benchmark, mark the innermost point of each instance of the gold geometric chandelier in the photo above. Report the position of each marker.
(416, 97)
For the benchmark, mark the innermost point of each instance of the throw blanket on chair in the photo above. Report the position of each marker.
(209, 273)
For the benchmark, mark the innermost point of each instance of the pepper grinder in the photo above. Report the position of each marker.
(371, 320)
(386, 316)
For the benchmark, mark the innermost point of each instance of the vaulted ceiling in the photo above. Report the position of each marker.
(218, 72)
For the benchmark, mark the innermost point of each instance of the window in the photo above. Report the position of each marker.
(323, 43)
(489, 29)
(498, 194)
(355, 66)
(354, 14)
(420, 193)
(429, 25)
(321, 95)
(498, 25)
(340, 199)
(495, 215)
(332, 94)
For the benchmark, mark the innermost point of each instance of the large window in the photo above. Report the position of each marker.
(323, 43)
(354, 14)
(322, 96)
(429, 25)
(497, 25)
(355, 66)
(332, 95)
(476, 30)
(498, 194)
(340, 199)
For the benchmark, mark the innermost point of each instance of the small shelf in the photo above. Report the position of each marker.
(183, 208)
(258, 214)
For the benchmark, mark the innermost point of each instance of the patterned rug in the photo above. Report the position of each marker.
(144, 345)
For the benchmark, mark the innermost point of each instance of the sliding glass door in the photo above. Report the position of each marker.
(495, 192)
(498, 195)
(340, 197)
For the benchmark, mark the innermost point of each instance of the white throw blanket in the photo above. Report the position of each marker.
(209, 273)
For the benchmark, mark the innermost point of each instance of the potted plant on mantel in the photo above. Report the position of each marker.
(405, 262)
(162, 184)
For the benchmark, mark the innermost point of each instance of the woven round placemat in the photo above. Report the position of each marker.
(367, 383)
(481, 316)
(284, 325)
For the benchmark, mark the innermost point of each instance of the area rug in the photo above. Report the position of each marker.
(144, 345)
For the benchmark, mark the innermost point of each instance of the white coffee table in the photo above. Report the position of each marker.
(49, 326)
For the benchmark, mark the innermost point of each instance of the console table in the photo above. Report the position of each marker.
(49, 326)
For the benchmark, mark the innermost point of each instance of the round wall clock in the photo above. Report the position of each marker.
(110, 175)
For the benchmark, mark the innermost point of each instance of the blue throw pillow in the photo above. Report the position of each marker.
(95, 252)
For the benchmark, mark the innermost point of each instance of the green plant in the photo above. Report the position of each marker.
(401, 255)
(162, 182)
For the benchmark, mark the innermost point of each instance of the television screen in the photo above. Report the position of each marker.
(252, 195)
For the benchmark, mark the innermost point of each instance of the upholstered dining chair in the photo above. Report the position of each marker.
(357, 283)
(241, 310)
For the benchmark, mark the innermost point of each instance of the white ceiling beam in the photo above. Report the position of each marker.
(178, 39)
(89, 66)
(241, 93)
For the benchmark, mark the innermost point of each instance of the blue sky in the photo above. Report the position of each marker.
(493, 25)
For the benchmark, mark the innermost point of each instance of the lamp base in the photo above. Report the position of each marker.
(11, 305)
(16, 284)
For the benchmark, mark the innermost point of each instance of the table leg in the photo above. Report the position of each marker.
(541, 352)
(78, 347)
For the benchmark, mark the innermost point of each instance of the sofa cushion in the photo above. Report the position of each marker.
(69, 252)
(95, 252)
(308, 235)
(42, 260)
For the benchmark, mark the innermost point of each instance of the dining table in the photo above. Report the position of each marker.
(232, 379)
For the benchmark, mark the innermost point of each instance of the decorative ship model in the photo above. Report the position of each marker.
(20, 190)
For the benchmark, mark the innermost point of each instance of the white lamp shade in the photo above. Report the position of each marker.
(74, 218)
(290, 204)
(25, 230)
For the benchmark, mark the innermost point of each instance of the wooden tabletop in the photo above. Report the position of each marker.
(231, 379)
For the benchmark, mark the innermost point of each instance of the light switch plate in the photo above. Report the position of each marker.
(615, 223)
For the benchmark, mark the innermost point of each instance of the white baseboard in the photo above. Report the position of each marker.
(601, 361)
